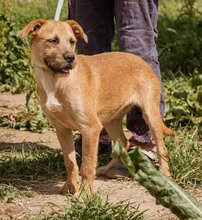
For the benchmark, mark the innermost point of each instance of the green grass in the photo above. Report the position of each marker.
(179, 41)
(183, 98)
(34, 9)
(9, 192)
(34, 164)
(92, 207)
(22, 170)
(185, 157)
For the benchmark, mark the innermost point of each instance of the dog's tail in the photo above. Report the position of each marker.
(167, 131)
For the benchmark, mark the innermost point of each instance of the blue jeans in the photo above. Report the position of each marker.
(136, 25)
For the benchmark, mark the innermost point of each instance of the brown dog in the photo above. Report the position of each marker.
(85, 93)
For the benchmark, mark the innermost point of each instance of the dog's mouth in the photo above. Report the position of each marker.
(64, 70)
(59, 70)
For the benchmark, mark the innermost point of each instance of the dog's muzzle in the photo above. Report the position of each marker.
(66, 66)
(69, 58)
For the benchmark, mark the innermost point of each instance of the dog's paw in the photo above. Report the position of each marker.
(70, 187)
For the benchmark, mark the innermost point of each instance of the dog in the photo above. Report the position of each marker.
(86, 93)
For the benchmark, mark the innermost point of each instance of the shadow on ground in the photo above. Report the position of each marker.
(36, 167)
(31, 166)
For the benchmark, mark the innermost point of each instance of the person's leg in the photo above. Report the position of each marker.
(137, 31)
(97, 20)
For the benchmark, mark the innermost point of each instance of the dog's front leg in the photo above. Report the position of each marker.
(90, 137)
(65, 138)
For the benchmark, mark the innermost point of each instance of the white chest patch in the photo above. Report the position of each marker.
(52, 102)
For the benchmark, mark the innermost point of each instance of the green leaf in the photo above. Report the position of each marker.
(199, 95)
(120, 153)
(166, 191)
(181, 94)
(197, 80)
(179, 111)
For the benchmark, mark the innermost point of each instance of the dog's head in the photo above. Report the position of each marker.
(53, 43)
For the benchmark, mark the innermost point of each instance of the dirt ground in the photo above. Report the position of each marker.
(46, 194)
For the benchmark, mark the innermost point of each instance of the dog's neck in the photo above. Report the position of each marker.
(38, 68)
(45, 78)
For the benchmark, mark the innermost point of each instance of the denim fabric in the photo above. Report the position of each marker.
(136, 24)
(97, 19)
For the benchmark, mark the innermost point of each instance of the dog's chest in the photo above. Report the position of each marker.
(51, 103)
(57, 106)
(59, 113)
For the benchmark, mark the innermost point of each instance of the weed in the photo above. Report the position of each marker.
(16, 73)
(179, 41)
(185, 157)
(9, 192)
(183, 100)
(34, 164)
(93, 207)
(30, 120)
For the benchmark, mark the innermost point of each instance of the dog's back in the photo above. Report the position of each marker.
(116, 81)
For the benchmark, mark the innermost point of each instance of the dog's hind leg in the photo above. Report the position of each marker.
(65, 138)
(115, 130)
(153, 118)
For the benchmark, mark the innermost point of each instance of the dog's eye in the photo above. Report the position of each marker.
(53, 40)
(72, 41)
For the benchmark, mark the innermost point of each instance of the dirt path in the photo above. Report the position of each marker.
(46, 194)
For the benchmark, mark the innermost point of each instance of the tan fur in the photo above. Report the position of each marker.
(97, 91)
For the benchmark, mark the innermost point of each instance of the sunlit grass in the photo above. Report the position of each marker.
(9, 192)
(185, 157)
(35, 164)
(93, 207)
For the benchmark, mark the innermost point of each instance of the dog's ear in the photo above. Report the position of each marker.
(77, 29)
(32, 28)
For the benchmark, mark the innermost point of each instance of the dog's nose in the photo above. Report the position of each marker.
(69, 58)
